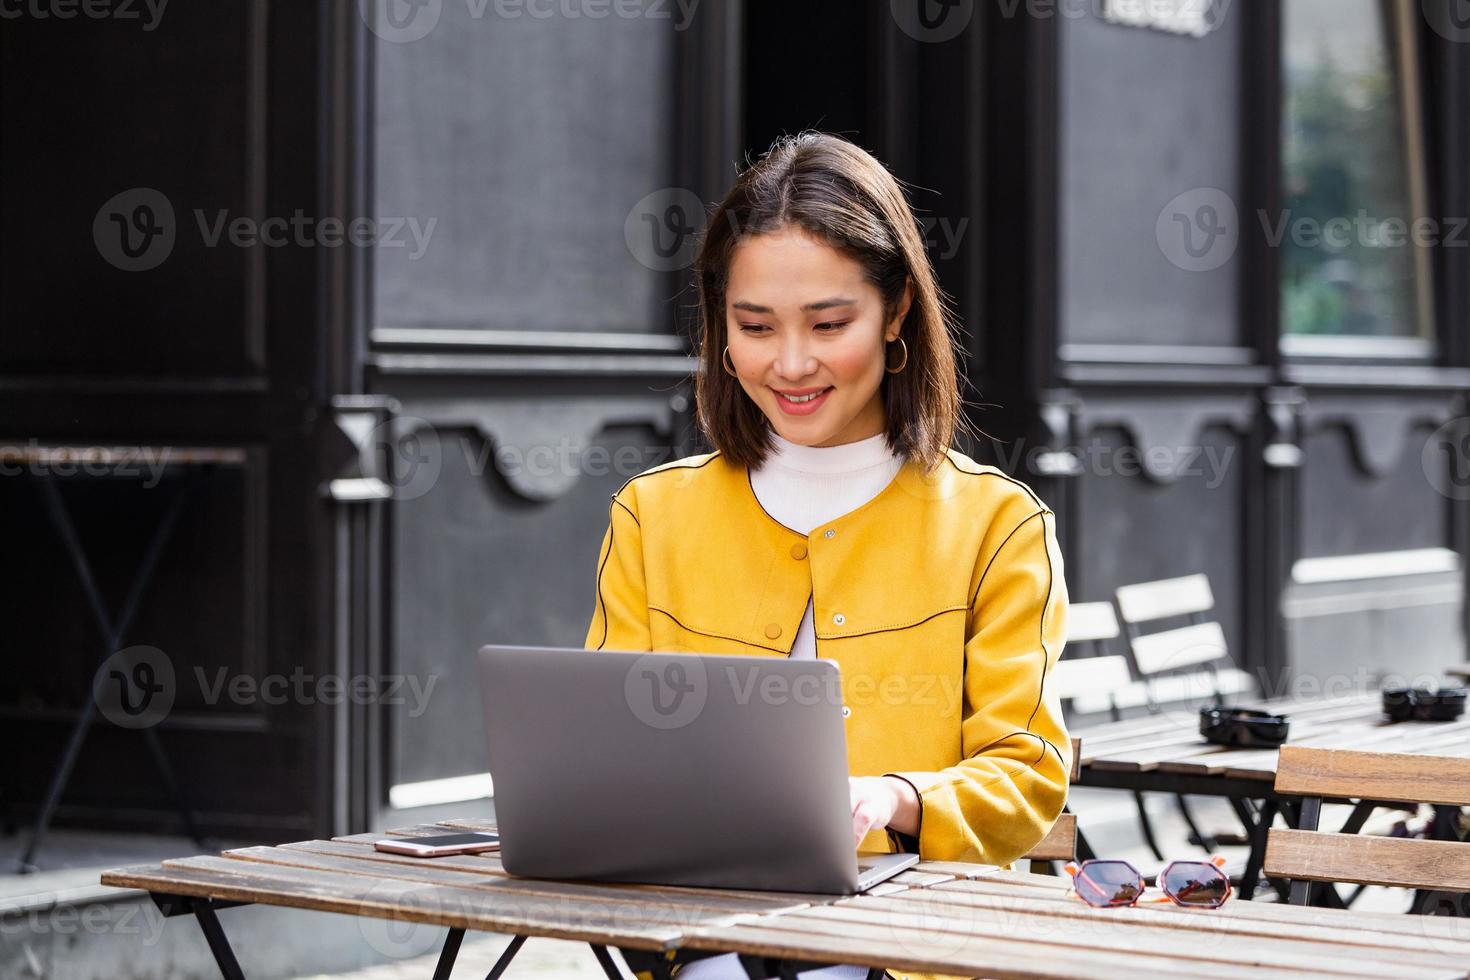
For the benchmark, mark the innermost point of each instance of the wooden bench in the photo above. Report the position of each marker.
(1309, 855)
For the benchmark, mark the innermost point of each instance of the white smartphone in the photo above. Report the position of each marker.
(439, 846)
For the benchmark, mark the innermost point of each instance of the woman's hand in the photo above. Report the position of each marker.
(876, 800)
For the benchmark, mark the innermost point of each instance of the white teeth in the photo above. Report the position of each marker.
(804, 398)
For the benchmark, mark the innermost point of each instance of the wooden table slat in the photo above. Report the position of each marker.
(957, 869)
(421, 830)
(1110, 736)
(937, 951)
(920, 879)
(1190, 745)
(431, 871)
(492, 897)
(472, 823)
(489, 863)
(1134, 930)
(1300, 923)
(1424, 738)
(394, 899)
(1435, 927)
(1209, 758)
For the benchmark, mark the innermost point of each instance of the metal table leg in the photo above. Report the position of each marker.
(1257, 825)
(113, 632)
(448, 954)
(505, 957)
(224, 956)
(605, 960)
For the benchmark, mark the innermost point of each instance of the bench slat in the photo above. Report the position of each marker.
(1406, 863)
(1091, 677)
(1182, 647)
(1398, 778)
(1060, 842)
(1088, 622)
(1146, 601)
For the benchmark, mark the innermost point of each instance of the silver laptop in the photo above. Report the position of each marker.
(673, 769)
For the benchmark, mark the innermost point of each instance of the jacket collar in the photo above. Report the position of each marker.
(885, 567)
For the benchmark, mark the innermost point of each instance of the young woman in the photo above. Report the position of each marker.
(833, 519)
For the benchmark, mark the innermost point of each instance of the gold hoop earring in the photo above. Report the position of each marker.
(726, 363)
(895, 370)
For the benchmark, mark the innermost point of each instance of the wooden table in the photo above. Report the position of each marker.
(48, 464)
(951, 918)
(1165, 753)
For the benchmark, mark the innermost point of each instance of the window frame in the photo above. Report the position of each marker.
(1425, 345)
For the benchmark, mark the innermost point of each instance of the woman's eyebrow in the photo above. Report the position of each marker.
(821, 304)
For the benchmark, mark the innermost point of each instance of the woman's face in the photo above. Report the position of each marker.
(802, 319)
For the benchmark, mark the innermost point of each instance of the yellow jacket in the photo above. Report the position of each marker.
(942, 600)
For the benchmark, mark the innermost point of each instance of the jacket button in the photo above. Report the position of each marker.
(798, 551)
(829, 533)
(773, 630)
(846, 711)
(839, 619)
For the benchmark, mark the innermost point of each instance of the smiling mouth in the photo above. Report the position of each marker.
(803, 399)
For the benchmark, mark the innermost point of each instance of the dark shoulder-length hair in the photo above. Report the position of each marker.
(842, 195)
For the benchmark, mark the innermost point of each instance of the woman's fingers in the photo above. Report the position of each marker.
(863, 820)
(872, 804)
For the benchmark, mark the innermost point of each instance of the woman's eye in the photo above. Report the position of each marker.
(825, 327)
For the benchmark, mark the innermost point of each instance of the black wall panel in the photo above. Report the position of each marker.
(1143, 117)
(1347, 511)
(117, 118)
(1134, 529)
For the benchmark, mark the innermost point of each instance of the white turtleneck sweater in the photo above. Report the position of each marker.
(804, 487)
